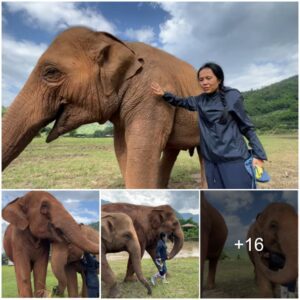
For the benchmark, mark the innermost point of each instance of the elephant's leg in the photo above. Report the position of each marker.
(203, 182)
(59, 258)
(130, 270)
(212, 273)
(109, 278)
(145, 142)
(23, 272)
(72, 283)
(166, 164)
(39, 275)
(120, 149)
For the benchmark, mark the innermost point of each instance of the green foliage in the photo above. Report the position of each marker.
(274, 108)
(190, 233)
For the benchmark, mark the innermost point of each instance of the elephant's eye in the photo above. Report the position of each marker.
(51, 73)
(127, 236)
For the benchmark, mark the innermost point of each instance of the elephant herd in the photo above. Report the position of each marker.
(135, 229)
(276, 225)
(38, 222)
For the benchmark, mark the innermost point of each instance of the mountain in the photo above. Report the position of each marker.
(274, 108)
(187, 216)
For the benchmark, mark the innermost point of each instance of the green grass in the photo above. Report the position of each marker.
(9, 284)
(183, 279)
(91, 163)
(234, 279)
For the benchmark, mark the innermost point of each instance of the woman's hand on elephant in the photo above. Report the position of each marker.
(156, 89)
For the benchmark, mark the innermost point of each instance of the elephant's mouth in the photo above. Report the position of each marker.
(273, 260)
(58, 234)
(54, 133)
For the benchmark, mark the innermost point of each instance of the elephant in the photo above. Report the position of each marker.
(118, 234)
(213, 237)
(36, 219)
(65, 263)
(149, 222)
(86, 76)
(277, 226)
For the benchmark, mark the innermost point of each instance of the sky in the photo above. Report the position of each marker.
(240, 208)
(181, 201)
(256, 43)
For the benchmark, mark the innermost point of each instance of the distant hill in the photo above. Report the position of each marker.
(274, 108)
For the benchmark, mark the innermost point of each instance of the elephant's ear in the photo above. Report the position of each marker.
(117, 63)
(157, 217)
(107, 228)
(15, 213)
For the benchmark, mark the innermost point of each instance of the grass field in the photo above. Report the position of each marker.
(9, 285)
(183, 279)
(91, 163)
(234, 279)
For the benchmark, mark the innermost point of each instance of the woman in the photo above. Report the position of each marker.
(223, 122)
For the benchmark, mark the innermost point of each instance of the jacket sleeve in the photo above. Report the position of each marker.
(158, 248)
(247, 128)
(189, 103)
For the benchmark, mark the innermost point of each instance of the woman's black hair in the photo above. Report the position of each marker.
(162, 235)
(218, 72)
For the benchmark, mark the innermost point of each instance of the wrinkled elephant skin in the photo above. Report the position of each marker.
(86, 76)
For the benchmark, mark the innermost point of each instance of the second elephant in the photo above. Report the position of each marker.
(65, 263)
(213, 236)
(118, 234)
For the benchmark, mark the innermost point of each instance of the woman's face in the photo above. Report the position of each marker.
(208, 81)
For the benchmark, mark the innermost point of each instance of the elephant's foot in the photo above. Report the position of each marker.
(210, 286)
(57, 292)
(42, 294)
(130, 278)
(114, 292)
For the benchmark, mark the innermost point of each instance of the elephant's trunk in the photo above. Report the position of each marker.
(134, 250)
(289, 272)
(74, 234)
(178, 243)
(21, 123)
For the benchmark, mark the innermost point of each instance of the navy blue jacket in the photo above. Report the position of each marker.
(161, 250)
(222, 142)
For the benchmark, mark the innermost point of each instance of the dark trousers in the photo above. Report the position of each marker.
(228, 175)
(161, 266)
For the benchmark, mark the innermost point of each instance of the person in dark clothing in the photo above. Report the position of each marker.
(160, 259)
(223, 124)
(91, 266)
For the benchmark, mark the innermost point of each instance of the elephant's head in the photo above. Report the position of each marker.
(118, 234)
(80, 79)
(277, 225)
(163, 219)
(46, 218)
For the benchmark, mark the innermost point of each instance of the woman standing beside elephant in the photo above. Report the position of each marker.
(223, 122)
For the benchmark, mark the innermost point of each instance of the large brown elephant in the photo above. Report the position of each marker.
(277, 226)
(36, 219)
(149, 222)
(118, 234)
(65, 263)
(86, 76)
(213, 236)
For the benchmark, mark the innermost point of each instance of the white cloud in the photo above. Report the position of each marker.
(18, 60)
(256, 43)
(237, 231)
(144, 34)
(56, 16)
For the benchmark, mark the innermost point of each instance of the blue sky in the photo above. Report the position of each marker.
(82, 205)
(255, 42)
(240, 208)
(181, 201)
